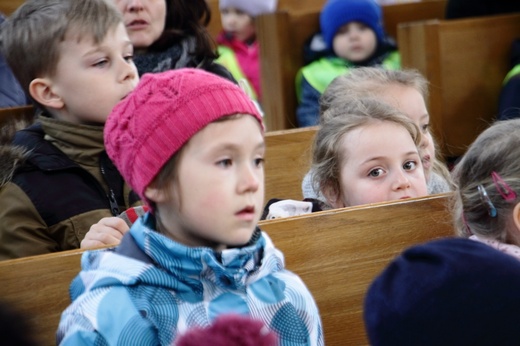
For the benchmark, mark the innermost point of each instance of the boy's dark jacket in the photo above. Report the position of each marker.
(47, 201)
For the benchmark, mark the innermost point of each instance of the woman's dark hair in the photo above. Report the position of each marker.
(188, 18)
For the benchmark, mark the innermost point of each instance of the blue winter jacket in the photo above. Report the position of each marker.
(151, 288)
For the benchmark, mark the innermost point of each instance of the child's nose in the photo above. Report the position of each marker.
(401, 181)
(250, 179)
(425, 141)
(129, 72)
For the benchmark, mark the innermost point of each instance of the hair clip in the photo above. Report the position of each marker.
(492, 211)
(503, 188)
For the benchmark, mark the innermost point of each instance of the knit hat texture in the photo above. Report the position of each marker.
(337, 13)
(162, 113)
(251, 7)
(446, 292)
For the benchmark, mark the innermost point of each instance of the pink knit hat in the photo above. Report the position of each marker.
(163, 112)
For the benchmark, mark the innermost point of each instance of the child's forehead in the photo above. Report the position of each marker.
(376, 130)
(352, 23)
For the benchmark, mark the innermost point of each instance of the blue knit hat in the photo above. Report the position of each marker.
(337, 13)
(446, 292)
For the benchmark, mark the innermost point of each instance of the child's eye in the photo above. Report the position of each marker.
(224, 163)
(425, 128)
(376, 172)
(410, 165)
(129, 58)
(100, 63)
(259, 161)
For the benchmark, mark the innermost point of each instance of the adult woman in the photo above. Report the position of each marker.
(170, 34)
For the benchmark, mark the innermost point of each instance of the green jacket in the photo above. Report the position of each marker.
(322, 72)
(228, 59)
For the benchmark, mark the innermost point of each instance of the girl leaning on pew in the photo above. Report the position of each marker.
(403, 90)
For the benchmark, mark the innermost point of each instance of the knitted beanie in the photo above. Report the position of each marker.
(251, 7)
(162, 113)
(337, 13)
(445, 292)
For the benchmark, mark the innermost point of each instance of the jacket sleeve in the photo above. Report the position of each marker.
(22, 231)
(304, 302)
(308, 111)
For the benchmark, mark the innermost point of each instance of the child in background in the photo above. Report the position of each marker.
(238, 47)
(74, 58)
(364, 152)
(367, 153)
(353, 35)
(445, 292)
(191, 144)
(487, 206)
(405, 90)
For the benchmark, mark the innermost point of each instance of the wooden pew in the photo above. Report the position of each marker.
(465, 62)
(281, 36)
(337, 253)
(288, 158)
(9, 6)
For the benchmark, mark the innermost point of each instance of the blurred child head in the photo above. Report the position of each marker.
(352, 29)
(230, 330)
(237, 16)
(405, 90)
(191, 145)
(366, 152)
(73, 57)
(446, 292)
(488, 184)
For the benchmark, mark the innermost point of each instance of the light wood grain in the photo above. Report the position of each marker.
(337, 253)
(288, 159)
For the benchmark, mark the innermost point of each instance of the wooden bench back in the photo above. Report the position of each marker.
(288, 159)
(9, 6)
(465, 62)
(281, 37)
(337, 254)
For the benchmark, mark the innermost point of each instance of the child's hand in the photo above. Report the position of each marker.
(108, 231)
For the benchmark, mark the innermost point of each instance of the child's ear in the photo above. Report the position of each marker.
(42, 92)
(516, 216)
(156, 195)
(333, 197)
